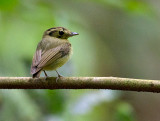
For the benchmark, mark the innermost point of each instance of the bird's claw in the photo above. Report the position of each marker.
(59, 76)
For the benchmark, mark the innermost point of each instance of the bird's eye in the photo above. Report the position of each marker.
(61, 32)
(51, 33)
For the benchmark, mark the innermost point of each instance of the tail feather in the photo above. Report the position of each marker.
(37, 74)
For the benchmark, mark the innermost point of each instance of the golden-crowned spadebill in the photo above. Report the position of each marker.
(52, 51)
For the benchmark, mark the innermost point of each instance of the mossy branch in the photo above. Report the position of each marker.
(114, 83)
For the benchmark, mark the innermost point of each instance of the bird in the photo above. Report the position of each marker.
(53, 51)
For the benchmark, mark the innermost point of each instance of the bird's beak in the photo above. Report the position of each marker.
(74, 33)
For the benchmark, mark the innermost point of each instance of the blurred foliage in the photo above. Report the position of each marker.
(117, 38)
(124, 112)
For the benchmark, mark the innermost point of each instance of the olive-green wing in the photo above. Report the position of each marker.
(47, 57)
(50, 56)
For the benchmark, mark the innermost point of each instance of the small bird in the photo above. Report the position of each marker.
(52, 52)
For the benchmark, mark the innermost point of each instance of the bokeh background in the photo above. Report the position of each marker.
(118, 38)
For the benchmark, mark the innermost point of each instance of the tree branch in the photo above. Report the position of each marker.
(114, 83)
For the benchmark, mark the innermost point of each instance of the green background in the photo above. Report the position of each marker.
(118, 38)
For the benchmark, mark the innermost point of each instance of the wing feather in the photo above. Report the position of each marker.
(44, 58)
(36, 59)
(49, 57)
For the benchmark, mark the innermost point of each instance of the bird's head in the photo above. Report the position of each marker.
(59, 32)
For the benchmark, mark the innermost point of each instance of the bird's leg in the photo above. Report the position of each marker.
(46, 76)
(58, 76)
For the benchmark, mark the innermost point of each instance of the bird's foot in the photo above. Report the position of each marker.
(59, 76)
(46, 77)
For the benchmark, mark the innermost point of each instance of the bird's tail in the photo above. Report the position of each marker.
(37, 74)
